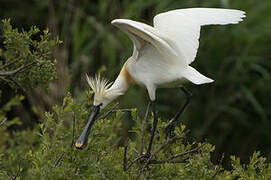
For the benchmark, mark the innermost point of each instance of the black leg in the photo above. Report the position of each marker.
(171, 126)
(155, 120)
(125, 156)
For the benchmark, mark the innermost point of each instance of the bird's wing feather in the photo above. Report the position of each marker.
(141, 33)
(182, 27)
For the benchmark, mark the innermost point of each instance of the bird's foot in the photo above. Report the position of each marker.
(145, 157)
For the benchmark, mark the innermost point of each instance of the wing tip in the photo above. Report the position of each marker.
(242, 15)
(115, 21)
(120, 21)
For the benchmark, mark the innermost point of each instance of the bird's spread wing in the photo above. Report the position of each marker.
(141, 34)
(182, 27)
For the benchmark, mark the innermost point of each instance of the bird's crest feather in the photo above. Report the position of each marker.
(101, 87)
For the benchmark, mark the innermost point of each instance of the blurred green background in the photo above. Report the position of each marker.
(233, 113)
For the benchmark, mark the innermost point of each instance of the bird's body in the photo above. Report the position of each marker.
(163, 52)
(152, 73)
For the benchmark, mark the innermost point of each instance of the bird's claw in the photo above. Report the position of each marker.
(144, 158)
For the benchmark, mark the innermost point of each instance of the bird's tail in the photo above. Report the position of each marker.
(195, 77)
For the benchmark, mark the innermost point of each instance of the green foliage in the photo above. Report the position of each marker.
(48, 151)
(25, 63)
(27, 57)
(4, 123)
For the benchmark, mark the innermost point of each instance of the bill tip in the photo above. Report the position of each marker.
(79, 145)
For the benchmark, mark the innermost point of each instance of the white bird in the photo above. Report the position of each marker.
(161, 57)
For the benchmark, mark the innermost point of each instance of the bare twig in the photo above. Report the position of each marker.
(59, 159)
(168, 141)
(122, 110)
(156, 152)
(218, 168)
(12, 62)
(3, 121)
(170, 159)
(17, 83)
(8, 174)
(145, 165)
(18, 171)
(186, 152)
(10, 73)
(108, 112)
(143, 129)
(136, 151)
(3, 79)
(154, 161)
(10, 79)
(134, 161)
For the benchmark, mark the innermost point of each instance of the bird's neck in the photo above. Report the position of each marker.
(124, 80)
(120, 84)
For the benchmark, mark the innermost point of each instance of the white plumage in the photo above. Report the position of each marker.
(182, 27)
(162, 52)
(161, 58)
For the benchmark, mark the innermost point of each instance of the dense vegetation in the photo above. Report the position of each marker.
(45, 103)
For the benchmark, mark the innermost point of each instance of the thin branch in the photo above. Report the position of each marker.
(143, 128)
(155, 153)
(186, 152)
(122, 110)
(154, 161)
(8, 175)
(10, 79)
(17, 83)
(134, 161)
(3, 79)
(136, 151)
(3, 121)
(168, 141)
(9, 64)
(27, 66)
(218, 168)
(170, 159)
(108, 112)
(10, 73)
(145, 165)
(18, 171)
(59, 159)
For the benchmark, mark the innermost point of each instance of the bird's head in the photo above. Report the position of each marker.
(104, 93)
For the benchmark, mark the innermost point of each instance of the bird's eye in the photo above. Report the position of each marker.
(100, 104)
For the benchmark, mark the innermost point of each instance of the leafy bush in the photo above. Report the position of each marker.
(48, 151)
(26, 57)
